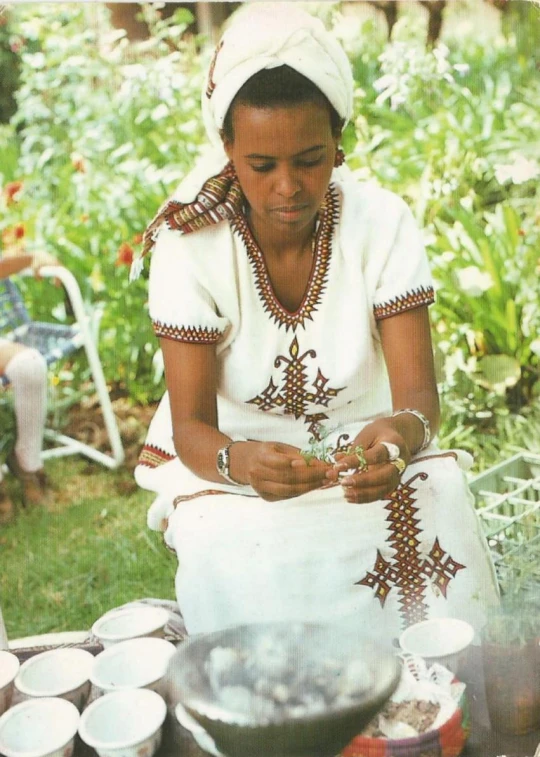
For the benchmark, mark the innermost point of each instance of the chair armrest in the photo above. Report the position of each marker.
(71, 286)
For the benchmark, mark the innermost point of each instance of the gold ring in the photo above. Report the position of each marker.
(399, 464)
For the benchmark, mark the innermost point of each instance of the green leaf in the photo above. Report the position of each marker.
(499, 372)
(349, 138)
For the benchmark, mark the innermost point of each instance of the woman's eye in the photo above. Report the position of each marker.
(310, 163)
(264, 168)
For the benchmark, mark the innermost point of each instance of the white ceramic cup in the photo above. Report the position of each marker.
(133, 664)
(9, 667)
(61, 673)
(441, 640)
(43, 727)
(124, 723)
(130, 623)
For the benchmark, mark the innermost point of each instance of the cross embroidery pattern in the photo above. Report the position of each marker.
(293, 393)
(408, 573)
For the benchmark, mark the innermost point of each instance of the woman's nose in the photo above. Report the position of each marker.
(288, 184)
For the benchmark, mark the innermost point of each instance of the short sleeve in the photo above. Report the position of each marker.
(181, 306)
(402, 279)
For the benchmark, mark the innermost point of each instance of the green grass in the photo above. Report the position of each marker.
(63, 568)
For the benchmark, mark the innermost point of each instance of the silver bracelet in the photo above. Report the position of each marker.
(423, 420)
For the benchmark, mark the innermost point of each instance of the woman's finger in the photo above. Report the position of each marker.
(376, 475)
(363, 496)
(276, 490)
(281, 456)
(288, 474)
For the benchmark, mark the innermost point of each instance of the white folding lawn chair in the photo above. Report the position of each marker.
(56, 341)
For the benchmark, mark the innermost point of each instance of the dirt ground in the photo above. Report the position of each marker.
(86, 424)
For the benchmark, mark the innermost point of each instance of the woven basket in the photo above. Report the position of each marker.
(446, 741)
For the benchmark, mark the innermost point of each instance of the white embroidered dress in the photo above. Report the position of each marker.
(282, 377)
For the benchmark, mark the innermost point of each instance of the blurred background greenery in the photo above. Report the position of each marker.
(97, 126)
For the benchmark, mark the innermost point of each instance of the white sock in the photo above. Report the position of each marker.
(27, 372)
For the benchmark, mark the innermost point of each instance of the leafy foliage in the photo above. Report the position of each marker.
(102, 141)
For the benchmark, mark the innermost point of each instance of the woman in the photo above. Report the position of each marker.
(26, 370)
(291, 304)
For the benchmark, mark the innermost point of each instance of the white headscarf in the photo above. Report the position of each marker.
(268, 35)
(261, 36)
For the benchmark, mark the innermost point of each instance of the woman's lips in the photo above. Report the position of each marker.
(290, 212)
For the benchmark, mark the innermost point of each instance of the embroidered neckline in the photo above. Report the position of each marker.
(318, 277)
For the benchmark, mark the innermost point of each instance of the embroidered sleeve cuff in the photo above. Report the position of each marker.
(413, 299)
(152, 456)
(191, 334)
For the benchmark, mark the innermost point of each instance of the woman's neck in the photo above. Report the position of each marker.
(281, 242)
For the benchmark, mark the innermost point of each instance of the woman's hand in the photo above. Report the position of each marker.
(276, 471)
(378, 477)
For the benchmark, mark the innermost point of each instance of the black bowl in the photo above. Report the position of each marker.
(319, 733)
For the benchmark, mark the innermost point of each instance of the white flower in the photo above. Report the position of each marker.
(396, 100)
(455, 362)
(535, 347)
(136, 269)
(473, 281)
(518, 172)
(386, 81)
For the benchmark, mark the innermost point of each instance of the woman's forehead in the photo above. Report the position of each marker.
(292, 127)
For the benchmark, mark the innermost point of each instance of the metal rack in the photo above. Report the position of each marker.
(508, 503)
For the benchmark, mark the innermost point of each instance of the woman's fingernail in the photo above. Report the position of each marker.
(347, 482)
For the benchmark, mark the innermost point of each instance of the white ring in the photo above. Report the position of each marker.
(393, 451)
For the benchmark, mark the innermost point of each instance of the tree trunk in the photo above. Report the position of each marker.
(123, 16)
(435, 8)
(390, 10)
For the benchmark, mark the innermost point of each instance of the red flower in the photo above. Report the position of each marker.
(11, 191)
(521, 232)
(19, 231)
(78, 162)
(125, 254)
(137, 239)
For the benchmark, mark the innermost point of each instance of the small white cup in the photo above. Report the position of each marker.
(130, 623)
(133, 664)
(61, 673)
(39, 728)
(441, 640)
(124, 723)
(9, 667)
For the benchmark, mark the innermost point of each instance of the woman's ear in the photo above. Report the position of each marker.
(227, 144)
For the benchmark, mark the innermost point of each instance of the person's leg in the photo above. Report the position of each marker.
(27, 372)
(7, 351)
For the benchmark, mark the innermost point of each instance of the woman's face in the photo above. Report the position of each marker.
(283, 157)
